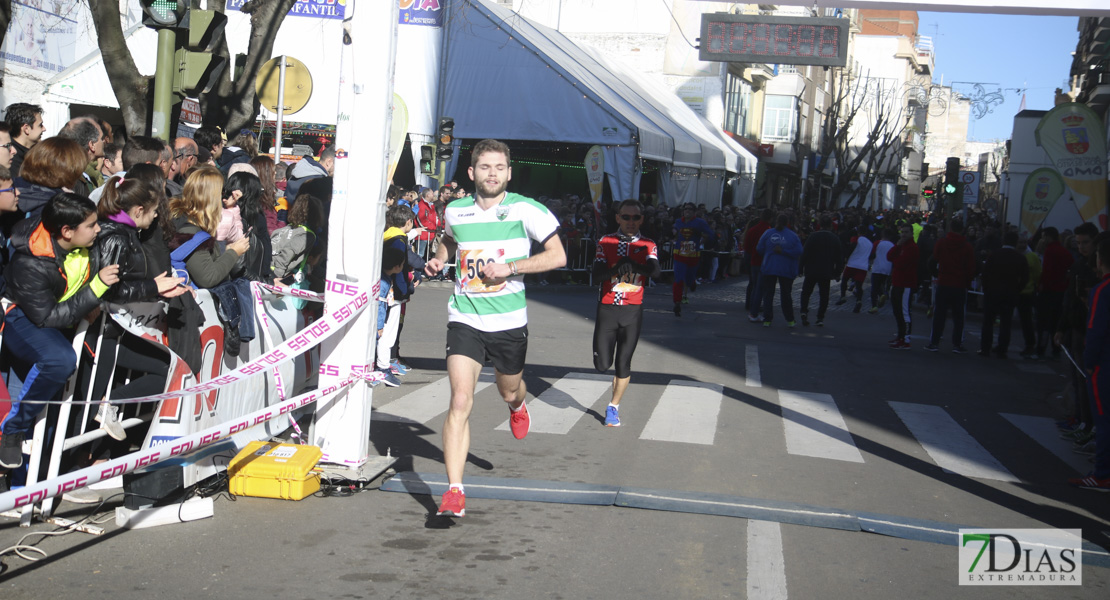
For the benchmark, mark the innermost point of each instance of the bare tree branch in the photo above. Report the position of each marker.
(233, 104)
(858, 96)
(129, 86)
(5, 18)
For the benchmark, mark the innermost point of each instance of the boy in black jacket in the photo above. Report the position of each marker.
(52, 284)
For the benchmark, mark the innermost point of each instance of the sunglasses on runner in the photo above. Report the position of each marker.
(631, 217)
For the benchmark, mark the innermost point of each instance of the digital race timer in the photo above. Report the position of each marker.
(778, 40)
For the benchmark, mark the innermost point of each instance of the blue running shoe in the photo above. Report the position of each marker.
(398, 368)
(390, 379)
(611, 417)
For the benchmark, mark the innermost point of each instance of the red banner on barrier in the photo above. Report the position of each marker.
(144, 458)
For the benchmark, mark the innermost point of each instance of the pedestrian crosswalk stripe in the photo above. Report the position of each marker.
(560, 406)
(1043, 431)
(766, 566)
(751, 367)
(686, 412)
(426, 402)
(950, 446)
(813, 427)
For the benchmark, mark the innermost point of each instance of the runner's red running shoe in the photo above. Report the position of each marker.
(453, 504)
(519, 421)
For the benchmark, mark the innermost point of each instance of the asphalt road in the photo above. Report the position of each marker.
(825, 417)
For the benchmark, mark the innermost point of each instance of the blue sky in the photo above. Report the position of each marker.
(1012, 52)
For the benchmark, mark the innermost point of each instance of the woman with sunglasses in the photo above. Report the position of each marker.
(624, 261)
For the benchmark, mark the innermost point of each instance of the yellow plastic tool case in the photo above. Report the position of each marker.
(272, 470)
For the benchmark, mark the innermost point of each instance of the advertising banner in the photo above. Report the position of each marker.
(428, 13)
(595, 175)
(1042, 189)
(1073, 138)
(321, 9)
(398, 130)
(38, 39)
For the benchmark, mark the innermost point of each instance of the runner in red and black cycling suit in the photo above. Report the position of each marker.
(624, 262)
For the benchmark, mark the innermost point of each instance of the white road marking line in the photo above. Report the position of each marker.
(751, 367)
(813, 427)
(766, 567)
(950, 446)
(560, 406)
(1043, 431)
(426, 403)
(686, 412)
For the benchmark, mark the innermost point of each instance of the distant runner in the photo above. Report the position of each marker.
(689, 234)
(624, 262)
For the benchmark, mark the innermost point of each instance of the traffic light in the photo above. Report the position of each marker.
(928, 193)
(196, 68)
(427, 156)
(951, 175)
(445, 135)
(162, 14)
(955, 198)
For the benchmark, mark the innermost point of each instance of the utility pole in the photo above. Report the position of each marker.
(181, 71)
(163, 86)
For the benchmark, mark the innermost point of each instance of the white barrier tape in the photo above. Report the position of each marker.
(260, 311)
(181, 446)
(312, 336)
(1071, 359)
(292, 291)
(297, 433)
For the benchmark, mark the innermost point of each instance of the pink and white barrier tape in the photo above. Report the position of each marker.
(178, 447)
(291, 291)
(312, 336)
(260, 311)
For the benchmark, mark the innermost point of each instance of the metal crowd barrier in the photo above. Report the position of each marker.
(580, 255)
(59, 421)
(666, 257)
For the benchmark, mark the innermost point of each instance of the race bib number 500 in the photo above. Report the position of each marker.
(471, 263)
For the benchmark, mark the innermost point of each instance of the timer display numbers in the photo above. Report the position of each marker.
(778, 40)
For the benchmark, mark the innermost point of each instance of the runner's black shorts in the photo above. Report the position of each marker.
(616, 332)
(505, 349)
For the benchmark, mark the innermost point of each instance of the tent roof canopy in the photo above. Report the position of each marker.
(86, 81)
(509, 78)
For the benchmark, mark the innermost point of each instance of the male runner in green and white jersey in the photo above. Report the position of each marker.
(486, 316)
